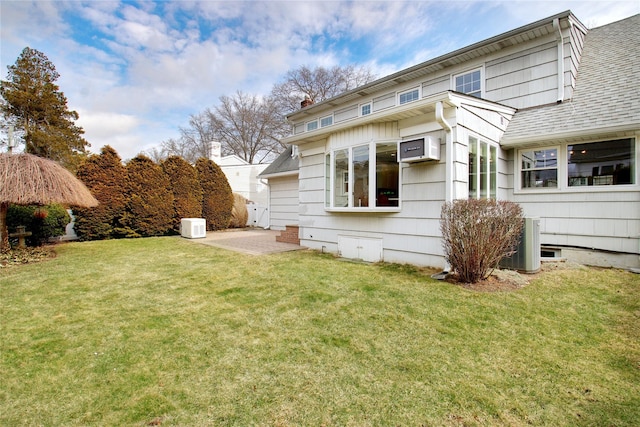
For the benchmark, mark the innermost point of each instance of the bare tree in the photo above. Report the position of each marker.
(318, 84)
(248, 126)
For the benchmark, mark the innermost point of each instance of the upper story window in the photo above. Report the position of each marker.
(364, 176)
(365, 109)
(483, 169)
(469, 83)
(326, 121)
(591, 164)
(409, 96)
(539, 168)
(312, 125)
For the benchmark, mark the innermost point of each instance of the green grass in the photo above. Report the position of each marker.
(167, 331)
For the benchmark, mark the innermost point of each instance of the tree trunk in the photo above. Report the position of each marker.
(4, 230)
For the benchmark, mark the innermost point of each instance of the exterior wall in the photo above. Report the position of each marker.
(243, 180)
(284, 201)
(597, 219)
(412, 234)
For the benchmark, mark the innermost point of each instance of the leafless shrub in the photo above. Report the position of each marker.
(477, 234)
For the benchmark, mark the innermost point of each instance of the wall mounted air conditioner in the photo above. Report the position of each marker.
(527, 256)
(193, 228)
(419, 150)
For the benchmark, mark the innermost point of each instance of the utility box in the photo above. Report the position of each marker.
(527, 255)
(193, 228)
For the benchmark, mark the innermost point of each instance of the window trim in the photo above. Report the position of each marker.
(491, 186)
(405, 92)
(322, 119)
(331, 182)
(482, 85)
(362, 106)
(563, 172)
(309, 123)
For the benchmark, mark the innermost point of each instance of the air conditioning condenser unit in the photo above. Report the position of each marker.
(527, 255)
(193, 228)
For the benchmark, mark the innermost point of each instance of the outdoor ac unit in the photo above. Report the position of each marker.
(419, 150)
(193, 228)
(527, 256)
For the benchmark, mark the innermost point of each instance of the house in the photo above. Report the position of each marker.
(282, 178)
(546, 115)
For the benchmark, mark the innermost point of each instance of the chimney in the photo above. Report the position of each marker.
(307, 101)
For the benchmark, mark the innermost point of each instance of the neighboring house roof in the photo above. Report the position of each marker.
(606, 99)
(285, 164)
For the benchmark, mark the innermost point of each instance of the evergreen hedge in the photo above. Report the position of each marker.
(217, 197)
(185, 186)
(106, 177)
(149, 199)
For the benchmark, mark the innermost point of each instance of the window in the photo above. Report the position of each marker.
(539, 168)
(326, 121)
(409, 96)
(483, 169)
(469, 83)
(601, 163)
(312, 125)
(365, 176)
(365, 109)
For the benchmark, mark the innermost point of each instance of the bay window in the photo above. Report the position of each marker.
(363, 176)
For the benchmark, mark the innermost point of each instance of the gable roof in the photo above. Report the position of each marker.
(606, 99)
(522, 34)
(285, 164)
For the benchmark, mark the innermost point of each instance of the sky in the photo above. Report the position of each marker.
(135, 71)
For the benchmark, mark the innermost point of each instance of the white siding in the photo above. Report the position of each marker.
(285, 203)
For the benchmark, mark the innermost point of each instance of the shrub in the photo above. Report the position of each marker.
(149, 200)
(239, 213)
(106, 177)
(477, 234)
(44, 222)
(217, 197)
(187, 193)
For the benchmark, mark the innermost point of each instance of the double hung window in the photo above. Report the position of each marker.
(539, 168)
(363, 176)
(469, 83)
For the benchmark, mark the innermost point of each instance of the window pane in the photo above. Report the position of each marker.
(327, 180)
(312, 126)
(493, 169)
(387, 175)
(341, 179)
(473, 168)
(539, 168)
(601, 163)
(361, 176)
(366, 109)
(409, 96)
(326, 121)
(484, 176)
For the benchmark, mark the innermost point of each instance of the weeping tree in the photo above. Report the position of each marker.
(34, 105)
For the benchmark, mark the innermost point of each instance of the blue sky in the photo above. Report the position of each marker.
(136, 70)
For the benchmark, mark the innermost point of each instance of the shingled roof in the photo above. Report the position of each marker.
(606, 100)
(285, 164)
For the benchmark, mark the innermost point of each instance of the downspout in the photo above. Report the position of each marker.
(560, 38)
(449, 150)
(449, 171)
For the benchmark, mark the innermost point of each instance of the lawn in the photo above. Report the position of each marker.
(165, 331)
